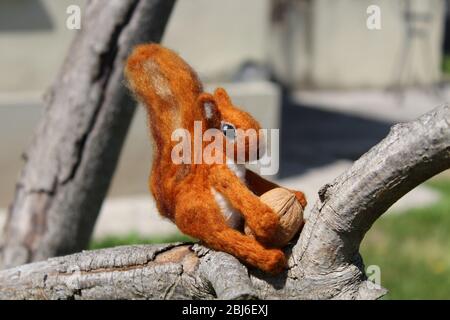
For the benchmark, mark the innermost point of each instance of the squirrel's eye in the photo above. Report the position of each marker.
(229, 130)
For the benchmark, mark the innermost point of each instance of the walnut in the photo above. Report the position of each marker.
(284, 203)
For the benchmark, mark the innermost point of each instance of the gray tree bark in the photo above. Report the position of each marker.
(324, 263)
(76, 146)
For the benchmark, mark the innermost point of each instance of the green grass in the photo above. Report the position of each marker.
(446, 64)
(134, 238)
(412, 250)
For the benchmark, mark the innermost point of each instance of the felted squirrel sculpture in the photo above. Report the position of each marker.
(205, 201)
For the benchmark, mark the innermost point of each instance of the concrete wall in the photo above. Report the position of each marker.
(348, 54)
(320, 43)
(333, 48)
(217, 36)
(33, 43)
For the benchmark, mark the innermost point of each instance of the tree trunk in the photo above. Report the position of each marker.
(324, 263)
(75, 149)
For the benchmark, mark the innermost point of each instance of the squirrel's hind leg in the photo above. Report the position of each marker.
(200, 217)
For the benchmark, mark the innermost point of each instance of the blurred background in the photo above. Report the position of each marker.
(311, 68)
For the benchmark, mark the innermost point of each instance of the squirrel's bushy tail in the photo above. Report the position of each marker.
(167, 86)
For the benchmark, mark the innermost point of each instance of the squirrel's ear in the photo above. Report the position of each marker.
(222, 96)
(210, 110)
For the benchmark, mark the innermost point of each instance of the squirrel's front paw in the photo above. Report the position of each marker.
(300, 196)
(265, 227)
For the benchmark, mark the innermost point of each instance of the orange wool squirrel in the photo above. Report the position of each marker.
(205, 201)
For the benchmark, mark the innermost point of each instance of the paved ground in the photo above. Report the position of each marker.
(381, 105)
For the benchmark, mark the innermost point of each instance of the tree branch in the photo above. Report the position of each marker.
(324, 263)
(412, 153)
